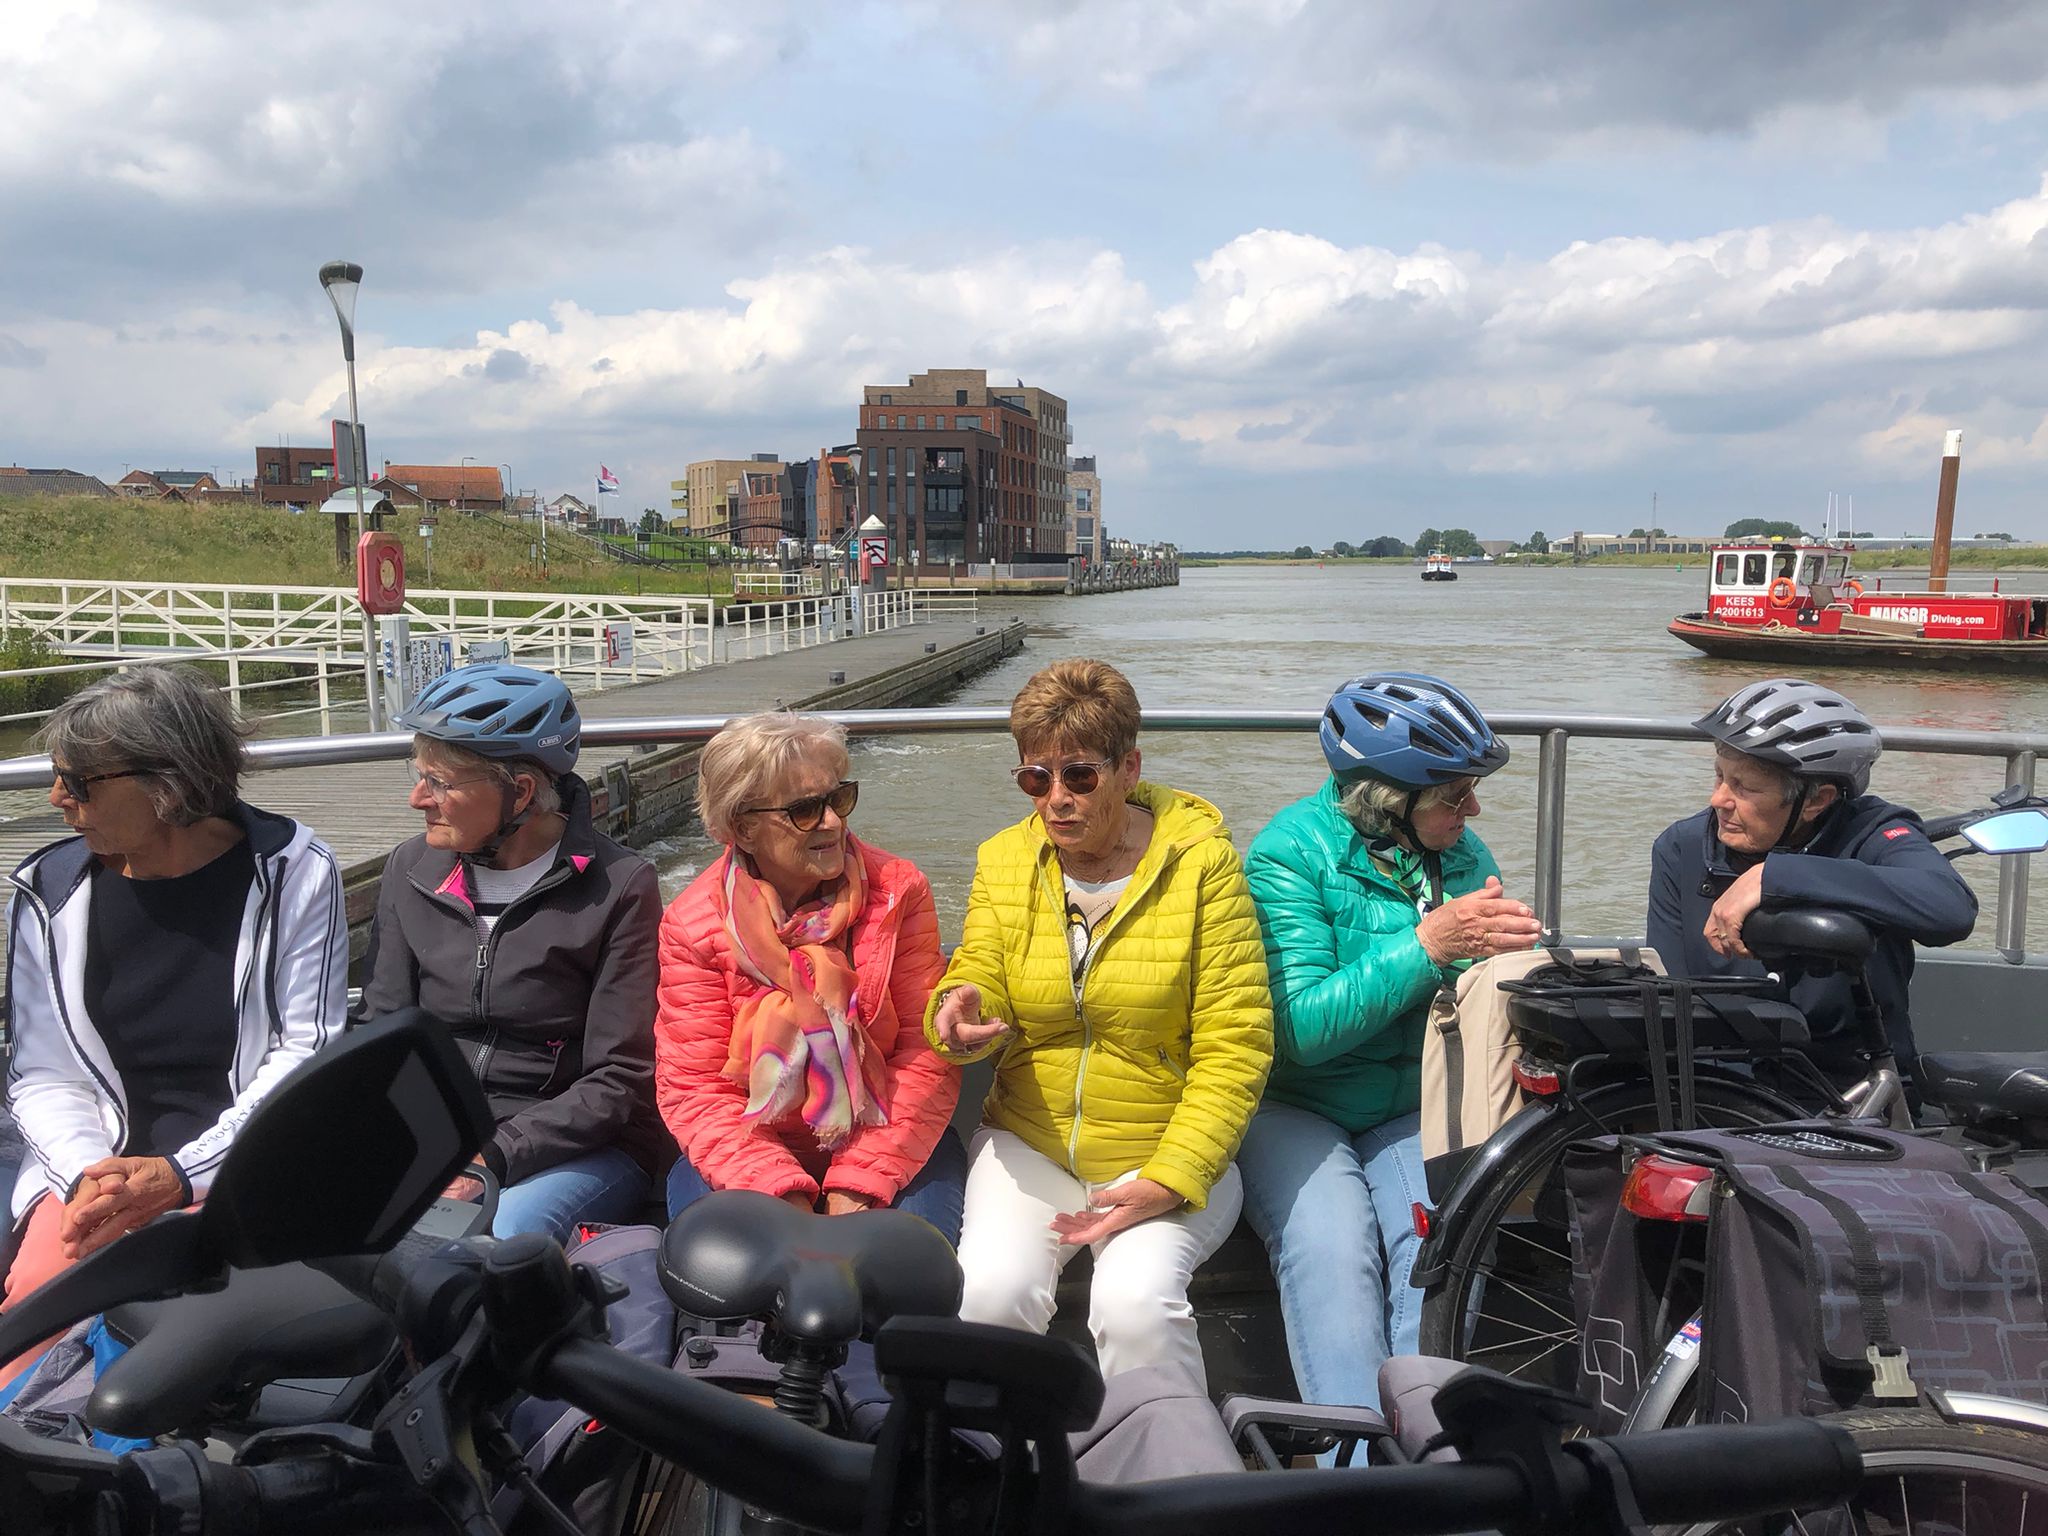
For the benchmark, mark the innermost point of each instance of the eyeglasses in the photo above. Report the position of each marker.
(805, 814)
(439, 787)
(1452, 795)
(78, 785)
(1035, 779)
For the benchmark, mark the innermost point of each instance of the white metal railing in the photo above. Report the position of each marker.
(318, 631)
(600, 640)
(806, 583)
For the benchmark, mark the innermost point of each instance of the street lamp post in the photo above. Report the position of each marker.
(341, 280)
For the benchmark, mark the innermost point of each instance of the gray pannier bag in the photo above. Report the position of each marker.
(1853, 1266)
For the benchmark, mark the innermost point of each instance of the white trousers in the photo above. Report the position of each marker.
(1138, 1306)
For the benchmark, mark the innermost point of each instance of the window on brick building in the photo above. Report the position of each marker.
(920, 423)
(959, 397)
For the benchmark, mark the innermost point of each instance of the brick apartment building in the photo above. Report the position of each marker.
(709, 487)
(957, 470)
(837, 493)
(287, 475)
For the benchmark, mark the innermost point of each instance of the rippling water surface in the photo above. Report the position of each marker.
(1282, 637)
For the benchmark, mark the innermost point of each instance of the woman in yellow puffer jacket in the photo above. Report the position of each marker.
(1112, 955)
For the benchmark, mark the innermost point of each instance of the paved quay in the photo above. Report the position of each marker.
(360, 809)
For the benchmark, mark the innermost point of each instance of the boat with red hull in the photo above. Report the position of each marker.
(1796, 603)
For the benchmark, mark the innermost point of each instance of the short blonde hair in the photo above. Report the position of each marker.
(1080, 703)
(746, 759)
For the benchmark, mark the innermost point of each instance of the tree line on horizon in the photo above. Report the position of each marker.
(1458, 542)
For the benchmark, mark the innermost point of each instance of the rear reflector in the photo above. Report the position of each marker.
(1663, 1189)
(1538, 1081)
(1420, 1214)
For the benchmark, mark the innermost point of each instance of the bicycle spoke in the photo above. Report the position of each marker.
(1535, 1300)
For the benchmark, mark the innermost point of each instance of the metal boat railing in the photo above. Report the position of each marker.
(2018, 751)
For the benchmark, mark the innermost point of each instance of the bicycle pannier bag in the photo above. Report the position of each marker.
(1856, 1266)
(1469, 1048)
(1631, 1285)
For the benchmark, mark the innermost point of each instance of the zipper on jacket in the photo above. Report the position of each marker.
(1096, 941)
(487, 939)
(63, 1013)
(1166, 1060)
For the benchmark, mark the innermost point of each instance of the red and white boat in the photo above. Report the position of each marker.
(1785, 602)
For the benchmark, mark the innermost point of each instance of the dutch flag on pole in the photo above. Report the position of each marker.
(606, 481)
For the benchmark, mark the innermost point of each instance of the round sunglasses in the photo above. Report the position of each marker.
(805, 814)
(1035, 779)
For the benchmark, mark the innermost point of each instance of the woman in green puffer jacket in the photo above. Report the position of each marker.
(1372, 895)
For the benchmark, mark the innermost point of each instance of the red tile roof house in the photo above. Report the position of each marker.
(167, 484)
(430, 487)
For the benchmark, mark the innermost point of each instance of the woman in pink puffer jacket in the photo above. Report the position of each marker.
(789, 1046)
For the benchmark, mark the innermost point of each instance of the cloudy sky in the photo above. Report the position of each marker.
(1305, 269)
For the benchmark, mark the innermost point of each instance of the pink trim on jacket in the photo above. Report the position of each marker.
(897, 959)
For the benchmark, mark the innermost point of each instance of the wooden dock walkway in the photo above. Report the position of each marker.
(360, 809)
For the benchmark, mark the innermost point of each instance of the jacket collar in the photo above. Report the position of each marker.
(56, 871)
(440, 873)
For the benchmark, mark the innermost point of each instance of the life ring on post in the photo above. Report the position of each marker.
(1853, 587)
(1783, 593)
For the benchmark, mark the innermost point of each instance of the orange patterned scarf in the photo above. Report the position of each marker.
(798, 1042)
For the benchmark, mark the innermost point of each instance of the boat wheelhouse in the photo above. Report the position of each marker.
(1438, 567)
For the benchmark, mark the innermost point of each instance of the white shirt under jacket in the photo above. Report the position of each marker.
(291, 997)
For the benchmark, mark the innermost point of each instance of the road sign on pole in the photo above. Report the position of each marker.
(875, 551)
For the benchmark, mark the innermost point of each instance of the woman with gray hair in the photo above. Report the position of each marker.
(1372, 895)
(789, 1045)
(167, 965)
(530, 934)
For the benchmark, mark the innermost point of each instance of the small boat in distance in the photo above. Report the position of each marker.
(1794, 604)
(1438, 567)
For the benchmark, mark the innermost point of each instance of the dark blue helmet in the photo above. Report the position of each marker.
(496, 710)
(1408, 729)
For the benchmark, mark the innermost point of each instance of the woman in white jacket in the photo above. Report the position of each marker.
(166, 967)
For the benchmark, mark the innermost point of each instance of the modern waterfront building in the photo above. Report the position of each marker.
(959, 470)
(1085, 535)
(709, 486)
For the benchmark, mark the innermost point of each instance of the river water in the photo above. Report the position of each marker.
(1570, 640)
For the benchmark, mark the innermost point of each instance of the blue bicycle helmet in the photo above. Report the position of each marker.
(1407, 729)
(497, 710)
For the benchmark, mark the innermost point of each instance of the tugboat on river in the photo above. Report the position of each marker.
(1438, 567)
(1795, 605)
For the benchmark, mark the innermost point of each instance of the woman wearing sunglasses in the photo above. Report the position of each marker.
(1112, 956)
(794, 976)
(531, 934)
(1374, 894)
(167, 966)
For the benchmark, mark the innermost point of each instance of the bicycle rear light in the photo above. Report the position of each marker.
(1664, 1189)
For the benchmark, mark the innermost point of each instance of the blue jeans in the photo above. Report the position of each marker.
(1337, 1212)
(937, 1193)
(605, 1186)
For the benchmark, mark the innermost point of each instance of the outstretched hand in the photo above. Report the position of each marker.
(1122, 1205)
(960, 1027)
(1478, 925)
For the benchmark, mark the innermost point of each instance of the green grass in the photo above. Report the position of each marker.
(120, 539)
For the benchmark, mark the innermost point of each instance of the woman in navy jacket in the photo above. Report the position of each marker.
(1790, 825)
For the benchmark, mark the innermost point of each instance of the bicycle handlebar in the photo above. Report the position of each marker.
(804, 1475)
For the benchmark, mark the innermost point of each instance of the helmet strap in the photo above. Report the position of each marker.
(1404, 823)
(509, 822)
(1791, 836)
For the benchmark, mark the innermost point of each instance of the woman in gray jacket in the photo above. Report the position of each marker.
(532, 936)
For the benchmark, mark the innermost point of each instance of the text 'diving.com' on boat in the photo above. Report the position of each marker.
(1789, 603)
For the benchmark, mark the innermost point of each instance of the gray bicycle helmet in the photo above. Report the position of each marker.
(1812, 732)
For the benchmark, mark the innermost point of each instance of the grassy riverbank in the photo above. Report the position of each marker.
(155, 541)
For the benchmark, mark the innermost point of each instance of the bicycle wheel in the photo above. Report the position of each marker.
(1505, 1300)
(1925, 1476)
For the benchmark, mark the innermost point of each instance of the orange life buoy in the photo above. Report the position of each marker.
(1783, 592)
(1854, 586)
